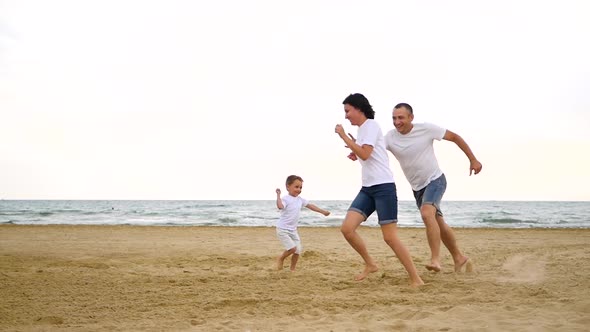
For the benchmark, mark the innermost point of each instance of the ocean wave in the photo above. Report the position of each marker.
(264, 213)
(227, 220)
(508, 221)
(143, 213)
(205, 205)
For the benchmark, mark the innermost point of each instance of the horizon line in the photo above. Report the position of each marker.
(237, 199)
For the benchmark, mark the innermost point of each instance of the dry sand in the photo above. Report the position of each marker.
(133, 278)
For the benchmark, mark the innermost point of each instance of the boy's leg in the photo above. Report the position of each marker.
(283, 256)
(295, 257)
(294, 260)
(286, 240)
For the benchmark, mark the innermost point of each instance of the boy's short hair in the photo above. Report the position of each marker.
(292, 178)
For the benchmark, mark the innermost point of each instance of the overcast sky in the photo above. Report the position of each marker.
(224, 99)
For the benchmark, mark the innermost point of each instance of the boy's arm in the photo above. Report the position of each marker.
(317, 209)
(279, 200)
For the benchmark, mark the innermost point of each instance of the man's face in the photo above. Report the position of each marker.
(402, 120)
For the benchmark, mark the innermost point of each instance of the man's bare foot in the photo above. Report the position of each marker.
(279, 263)
(368, 270)
(416, 284)
(465, 262)
(433, 267)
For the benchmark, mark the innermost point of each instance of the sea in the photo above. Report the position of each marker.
(263, 213)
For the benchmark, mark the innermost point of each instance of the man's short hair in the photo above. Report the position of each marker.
(406, 106)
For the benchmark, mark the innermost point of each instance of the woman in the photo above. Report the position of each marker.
(378, 192)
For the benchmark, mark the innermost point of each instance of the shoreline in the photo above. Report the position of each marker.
(138, 278)
(375, 226)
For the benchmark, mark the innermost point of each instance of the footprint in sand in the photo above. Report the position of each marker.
(413, 314)
(523, 269)
(51, 320)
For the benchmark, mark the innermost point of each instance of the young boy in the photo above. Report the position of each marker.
(290, 206)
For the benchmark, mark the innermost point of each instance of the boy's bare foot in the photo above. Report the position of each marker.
(433, 267)
(368, 270)
(465, 262)
(279, 263)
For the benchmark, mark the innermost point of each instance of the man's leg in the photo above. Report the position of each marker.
(448, 238)
(433, 234)
(349, 226)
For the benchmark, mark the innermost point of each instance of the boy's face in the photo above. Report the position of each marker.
(294, 189)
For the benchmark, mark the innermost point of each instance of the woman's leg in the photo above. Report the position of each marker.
(349, 226)
(391, 238)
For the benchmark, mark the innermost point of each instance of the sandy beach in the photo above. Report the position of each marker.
(134, 278)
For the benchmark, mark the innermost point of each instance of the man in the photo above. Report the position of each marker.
(412, 146)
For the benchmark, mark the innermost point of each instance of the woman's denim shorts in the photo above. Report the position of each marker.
(381, 198)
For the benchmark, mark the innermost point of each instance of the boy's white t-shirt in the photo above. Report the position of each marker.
(290, 212)
(375, 170)
(415, 153)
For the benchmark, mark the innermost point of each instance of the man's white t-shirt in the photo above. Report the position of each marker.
(415, 153)
(375, 170)
(290, 212)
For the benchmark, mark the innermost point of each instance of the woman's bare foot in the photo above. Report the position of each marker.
(433, 267)
(465, 262)
(368, 270)
(416, 284)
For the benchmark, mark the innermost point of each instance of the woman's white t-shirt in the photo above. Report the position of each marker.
(375, 170)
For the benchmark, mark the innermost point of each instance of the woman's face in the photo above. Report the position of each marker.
(353, 114)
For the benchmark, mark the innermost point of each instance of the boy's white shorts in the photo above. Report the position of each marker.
(289, 239)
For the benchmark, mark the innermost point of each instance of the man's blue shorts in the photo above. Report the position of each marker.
(380, 197)
(432, 194)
